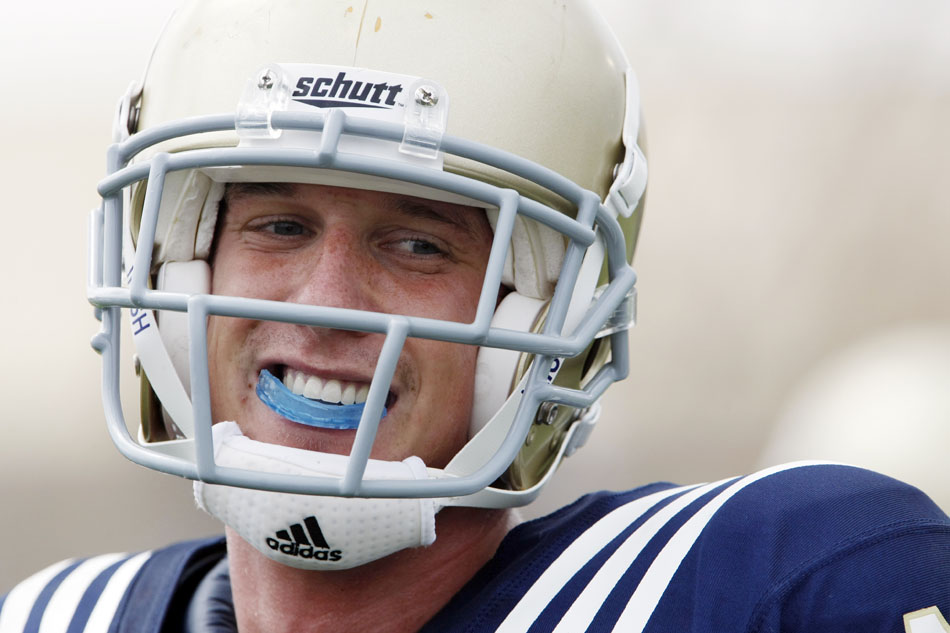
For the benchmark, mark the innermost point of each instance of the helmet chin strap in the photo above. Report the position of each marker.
(309, 531)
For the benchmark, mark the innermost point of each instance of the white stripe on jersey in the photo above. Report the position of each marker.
(575, 556)
(648, 593)
(62, 605)
(589, 602)
(104, 611)
(20, 600)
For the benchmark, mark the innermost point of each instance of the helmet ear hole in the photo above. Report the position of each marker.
(495, 367)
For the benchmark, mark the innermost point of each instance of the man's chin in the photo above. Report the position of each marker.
(279, 430)
(265, 425)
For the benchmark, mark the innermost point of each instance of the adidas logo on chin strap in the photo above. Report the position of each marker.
(362, 529)
(296, 543)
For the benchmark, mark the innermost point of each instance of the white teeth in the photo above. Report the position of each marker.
(331, 391)
(349, 394)
(361, 394)
(313, 388)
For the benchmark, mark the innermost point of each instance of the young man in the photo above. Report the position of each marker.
(374, 305)
(365, 250)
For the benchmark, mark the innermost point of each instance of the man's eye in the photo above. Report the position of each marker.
(419, 247)
(285, 228)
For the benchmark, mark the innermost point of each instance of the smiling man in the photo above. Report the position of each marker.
(364, 250)
(376, 263)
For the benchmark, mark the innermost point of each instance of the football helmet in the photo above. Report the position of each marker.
(445, 100)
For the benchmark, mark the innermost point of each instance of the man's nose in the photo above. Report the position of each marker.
(339, 272)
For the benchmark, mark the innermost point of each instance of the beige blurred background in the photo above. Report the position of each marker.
(794, 263)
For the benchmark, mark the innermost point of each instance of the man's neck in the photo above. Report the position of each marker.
(398, 593)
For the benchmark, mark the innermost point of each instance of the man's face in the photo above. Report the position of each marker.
(348, 248)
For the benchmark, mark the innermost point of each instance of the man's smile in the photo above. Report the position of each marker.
(326, 389)
(330, 391)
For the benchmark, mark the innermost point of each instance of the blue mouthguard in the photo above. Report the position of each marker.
(283, 401)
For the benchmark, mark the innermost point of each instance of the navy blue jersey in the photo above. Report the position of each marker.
(796, 548)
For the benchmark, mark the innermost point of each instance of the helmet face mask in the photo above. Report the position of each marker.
(559, 258)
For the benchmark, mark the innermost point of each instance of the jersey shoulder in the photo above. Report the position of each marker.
(806, 546)
(848, 498)
(740, 554)
(101, 593)
(838, 547)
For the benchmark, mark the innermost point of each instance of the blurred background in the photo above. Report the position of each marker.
(794, 262)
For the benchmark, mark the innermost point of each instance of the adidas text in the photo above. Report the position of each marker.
(304, 551)
(305, 540)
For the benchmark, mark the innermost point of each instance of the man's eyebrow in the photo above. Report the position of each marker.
(236, 190)
(459, 218)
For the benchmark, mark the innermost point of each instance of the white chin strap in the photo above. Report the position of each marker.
(313, 532)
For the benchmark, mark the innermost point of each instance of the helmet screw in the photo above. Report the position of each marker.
(426, 96)
(266, 81)
(547, 413)
(136, 364)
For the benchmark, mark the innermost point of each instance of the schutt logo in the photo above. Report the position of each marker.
(340, 92)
